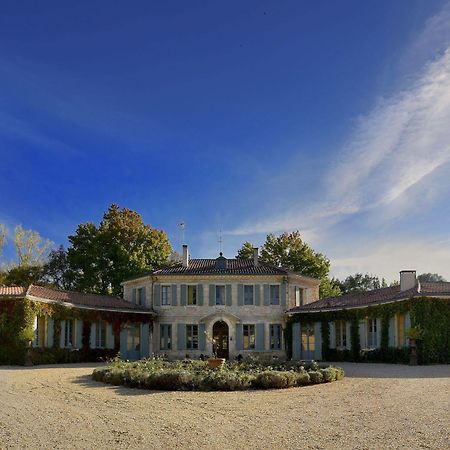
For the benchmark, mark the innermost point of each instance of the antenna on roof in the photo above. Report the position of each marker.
(182, 226)
(220, 241)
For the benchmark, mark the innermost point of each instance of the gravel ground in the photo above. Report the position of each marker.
(376, 406)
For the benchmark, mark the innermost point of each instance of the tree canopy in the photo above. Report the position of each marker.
(427, 277)
(360, 283)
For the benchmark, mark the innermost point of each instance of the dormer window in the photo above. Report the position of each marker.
(221, 262)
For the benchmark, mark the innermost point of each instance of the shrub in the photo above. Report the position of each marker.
(303, 378)
(275, 380)
(328, 374)
(315, 376)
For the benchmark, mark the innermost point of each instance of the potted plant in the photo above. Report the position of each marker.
(413, 334)
(214, 362)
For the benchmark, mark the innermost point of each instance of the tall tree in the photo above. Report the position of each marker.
(100, 258)
(361, 283)
(3, 236)
(290, 251)
(427, 277)
(31, 249)
(56, 270)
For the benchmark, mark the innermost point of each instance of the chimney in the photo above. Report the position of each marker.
(185, 258)
(255, 256)
(408, 280)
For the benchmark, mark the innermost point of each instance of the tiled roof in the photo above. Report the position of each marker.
(75, 298)
(375, 297)
(12, 291)
(234, 267)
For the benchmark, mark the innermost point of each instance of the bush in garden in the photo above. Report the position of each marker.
(315, 376)
(272, 379)
(328, 374)
(303, 378)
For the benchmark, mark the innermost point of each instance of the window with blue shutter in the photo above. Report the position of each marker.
(200, 294)
(260, 337)
(181, 336)
(275, 336)
(174, 294)
(249, 294)
(157, 294)
(165, 336)
(229, 295)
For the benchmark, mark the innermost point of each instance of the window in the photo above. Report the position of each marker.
(140, 300)
(192, 295)
(100, 334)
(68, 333)
(39, 332)
(401, 342)
(134, 338)
(165, 337)
(274, 294)
(192, 337)
(341, 334)
(275, 337)
(220, 295)
(248, 294)
(249, 337)
(298, 296)
(308, 338)
(372, 333)
(165, 295)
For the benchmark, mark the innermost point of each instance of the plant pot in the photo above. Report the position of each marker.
(214, 363)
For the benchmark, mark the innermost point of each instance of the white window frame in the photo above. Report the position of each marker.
(270, 294)
(192, 286)
(372, 335)
(274, 338)
(166, 301)
(165, 344)
(192, 338)
(72, 342)
(251, 345)
(101, 324)
(253, 295)
(341, 334)
(299, 296)
(223, 286)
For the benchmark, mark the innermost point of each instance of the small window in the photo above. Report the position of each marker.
(165, 337)
(39, 332)
(100, 334)
(68, 334)
(165, 295)
(275, 336)
(308, 338)
(341, 334)
(220, 295)
(298, 296)
(192, 295)
(274, 294)
(249, 294)
(372, 333)
(249, 337)
(140, 300)
(134, 338)
(192, 337)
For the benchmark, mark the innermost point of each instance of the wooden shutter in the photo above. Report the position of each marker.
(181, 336)
(157, 299)
(200, 294)
(133, 295)
(201, 337)
(266, 295)
(239, 336)
(257, 294)
(240, 295)
(183, 299)
(174, 294)
(144, 297)
(260, 344)
(228, 295)
(212, 294)
(50, 331)
(283, 288)
(79, 336)
(145, 351)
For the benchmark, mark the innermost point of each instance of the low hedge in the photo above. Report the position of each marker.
(189, 375)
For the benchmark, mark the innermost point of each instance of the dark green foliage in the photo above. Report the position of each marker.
(360, 283)
(24, 275)
(427, 277)
(316, 376)
(354, 338)
(271, 379)
(57, 271)
(384, 344)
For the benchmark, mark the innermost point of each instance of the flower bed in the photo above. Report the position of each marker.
(187, 375)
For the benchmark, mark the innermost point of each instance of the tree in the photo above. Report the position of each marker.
(56, 270)
(23, 275)
(3, 236)
(430, 277)
(360, 283)
(246, 251)
(290, 251)
(100, 258)
(31, 249)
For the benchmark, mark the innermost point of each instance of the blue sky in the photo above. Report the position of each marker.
(251, 117)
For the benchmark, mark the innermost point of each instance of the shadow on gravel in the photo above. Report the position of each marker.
(393, 371)
(54, 366)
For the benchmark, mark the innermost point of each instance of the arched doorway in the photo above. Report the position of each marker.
(220, 336)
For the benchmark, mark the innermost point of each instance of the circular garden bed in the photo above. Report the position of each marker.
(189, 375)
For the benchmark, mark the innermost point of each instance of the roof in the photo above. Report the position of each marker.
(233, 267)
(375, 297)
(77, 299)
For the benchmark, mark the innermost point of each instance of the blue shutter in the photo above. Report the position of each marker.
(296, 348)
(109, 336)
(260, 345)
(183, 295)
(123, 344)
(181, 336)
(63, 333)
(212, 294)
(145, 353)
(240, 294)
(50, 332)
(392, 331)
(283, 288)
(201, 337)
(257, 294)
(133, 295)
(92, 342)
(200, 294)
(266, 295)
(174, 294)
(157, 299)
(228, 295)
(79, 336)
(239, 336)
(144, 297)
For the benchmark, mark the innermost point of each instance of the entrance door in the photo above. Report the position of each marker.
(134, 342)
(220, 336)
(308, 342)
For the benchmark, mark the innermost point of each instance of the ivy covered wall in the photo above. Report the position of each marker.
(431, 315)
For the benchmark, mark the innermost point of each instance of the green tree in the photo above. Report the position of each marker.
(430, 277)
(31, 249)
(361, 283)
(24, 275)
(246, 251)
(3, 237)
(100, 258)
(329, 288)
(290, 251)
(57, 271)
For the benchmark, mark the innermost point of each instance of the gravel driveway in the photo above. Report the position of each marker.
(376, 406)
